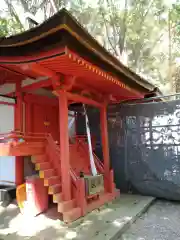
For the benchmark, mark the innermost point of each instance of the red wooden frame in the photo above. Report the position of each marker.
(7, 103)
(67, 174)
(19, 162)
(37, 85)
(74, 80)
(64, 145)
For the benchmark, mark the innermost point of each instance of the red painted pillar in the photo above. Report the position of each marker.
(64, 145)
(82, 196)
(19, 163)
(18, 108)
(28, 116)
(105, 146)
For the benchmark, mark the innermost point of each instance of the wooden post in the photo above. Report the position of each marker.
(18, 108)
(28, 118)
(105, 146)
(64, 145)
(82, 196)
(19, 162)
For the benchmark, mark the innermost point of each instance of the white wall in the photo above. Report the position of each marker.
(7, 164)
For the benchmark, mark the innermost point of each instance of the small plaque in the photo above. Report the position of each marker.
(94, 184)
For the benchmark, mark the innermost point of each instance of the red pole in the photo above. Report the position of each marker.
(105, 145)
(76, 130)
(28, 118)
(64, 145)
(18, 107)
(19, 163)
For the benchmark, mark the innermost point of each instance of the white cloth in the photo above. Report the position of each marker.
(93, 167)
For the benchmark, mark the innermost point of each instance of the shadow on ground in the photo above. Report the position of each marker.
(102, 223)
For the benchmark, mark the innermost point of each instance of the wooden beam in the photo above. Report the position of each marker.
(37, 85)
(19, 162)
(68, 82)
(42, 71)
(82, 99)
(90, 89)
(7, 103)
(15, 72)
(18, 109)
(105, 145)
(21, 150)
(64, 146)
(43, 100)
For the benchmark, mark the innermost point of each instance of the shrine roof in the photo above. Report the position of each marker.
(63, 30)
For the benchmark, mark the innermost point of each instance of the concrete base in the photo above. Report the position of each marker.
(106, 223)
(125, 211)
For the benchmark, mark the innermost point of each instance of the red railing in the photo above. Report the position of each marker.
(74, 177)
(81, 140)
(54, 152)
(98, 164)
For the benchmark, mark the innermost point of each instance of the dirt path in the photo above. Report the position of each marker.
(160, 222)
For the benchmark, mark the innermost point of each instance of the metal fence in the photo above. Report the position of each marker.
(145, 147)
(144, 142)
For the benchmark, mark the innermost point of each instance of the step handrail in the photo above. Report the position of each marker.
(52, 143)
(74, 177)
(97, 161)
(56, 149)
(53, 153)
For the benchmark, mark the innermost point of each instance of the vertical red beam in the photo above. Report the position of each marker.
(19, 162)
(81, 196)
(105, 145)
(75, 113)
(18, 108)
(64, 145)
(28, 116)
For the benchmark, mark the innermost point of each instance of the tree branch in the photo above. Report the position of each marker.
(140, 33)
(113, 13)
(14, 14)
(107, 32)
(147, 11)
(124, 28)
(54, 6)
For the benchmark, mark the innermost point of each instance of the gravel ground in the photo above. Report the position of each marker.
(160, 222)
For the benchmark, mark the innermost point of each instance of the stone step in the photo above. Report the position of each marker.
(43, 166)
(66, 205)
(52, 181)
(72, 215)
(39, 158)
(54, 189)
(47, 173)
(57, 198)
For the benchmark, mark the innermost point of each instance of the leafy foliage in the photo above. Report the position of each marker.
(3, 27)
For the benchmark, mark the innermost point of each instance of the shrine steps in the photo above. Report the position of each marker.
(49, 166)
(69, 209)
(45, 155)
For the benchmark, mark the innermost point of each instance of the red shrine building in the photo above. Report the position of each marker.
(43, 72)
